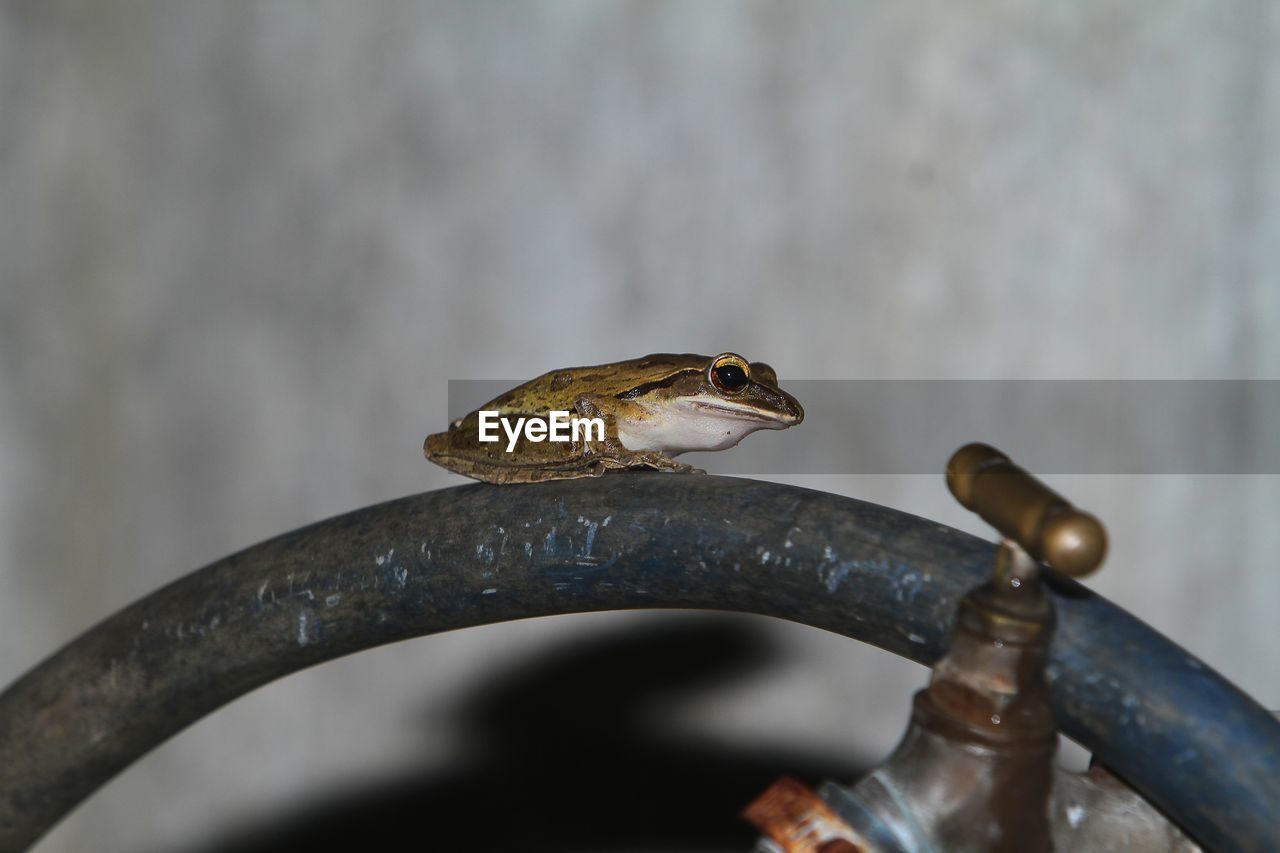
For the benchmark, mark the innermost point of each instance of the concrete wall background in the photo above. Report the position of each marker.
(243, 246)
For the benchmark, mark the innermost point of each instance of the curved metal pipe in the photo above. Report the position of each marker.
(1194, 744)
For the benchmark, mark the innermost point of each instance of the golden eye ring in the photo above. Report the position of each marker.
(729, 373)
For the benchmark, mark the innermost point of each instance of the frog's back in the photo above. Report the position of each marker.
(558, 389)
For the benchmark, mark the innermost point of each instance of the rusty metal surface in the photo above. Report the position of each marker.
(973, 773)
(1200, 749)
(797, 820)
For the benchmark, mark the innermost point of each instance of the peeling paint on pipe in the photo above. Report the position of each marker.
(465, 556)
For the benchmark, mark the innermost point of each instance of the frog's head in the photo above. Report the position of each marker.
(711, 404)
(732, 387)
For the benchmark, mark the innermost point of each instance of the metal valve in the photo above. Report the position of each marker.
(975, 770)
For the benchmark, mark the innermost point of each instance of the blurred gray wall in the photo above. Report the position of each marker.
(244, 245)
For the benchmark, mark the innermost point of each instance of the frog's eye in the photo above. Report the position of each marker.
(729, 374)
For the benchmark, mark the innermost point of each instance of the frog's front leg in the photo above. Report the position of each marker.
(611, 453)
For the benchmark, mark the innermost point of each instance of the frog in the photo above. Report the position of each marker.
(653, 409)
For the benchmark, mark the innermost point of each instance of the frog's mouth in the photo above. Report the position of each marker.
(724, 408)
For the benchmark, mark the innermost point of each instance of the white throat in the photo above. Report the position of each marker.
(691, 425)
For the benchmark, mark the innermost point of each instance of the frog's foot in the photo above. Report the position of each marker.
(658, 462)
